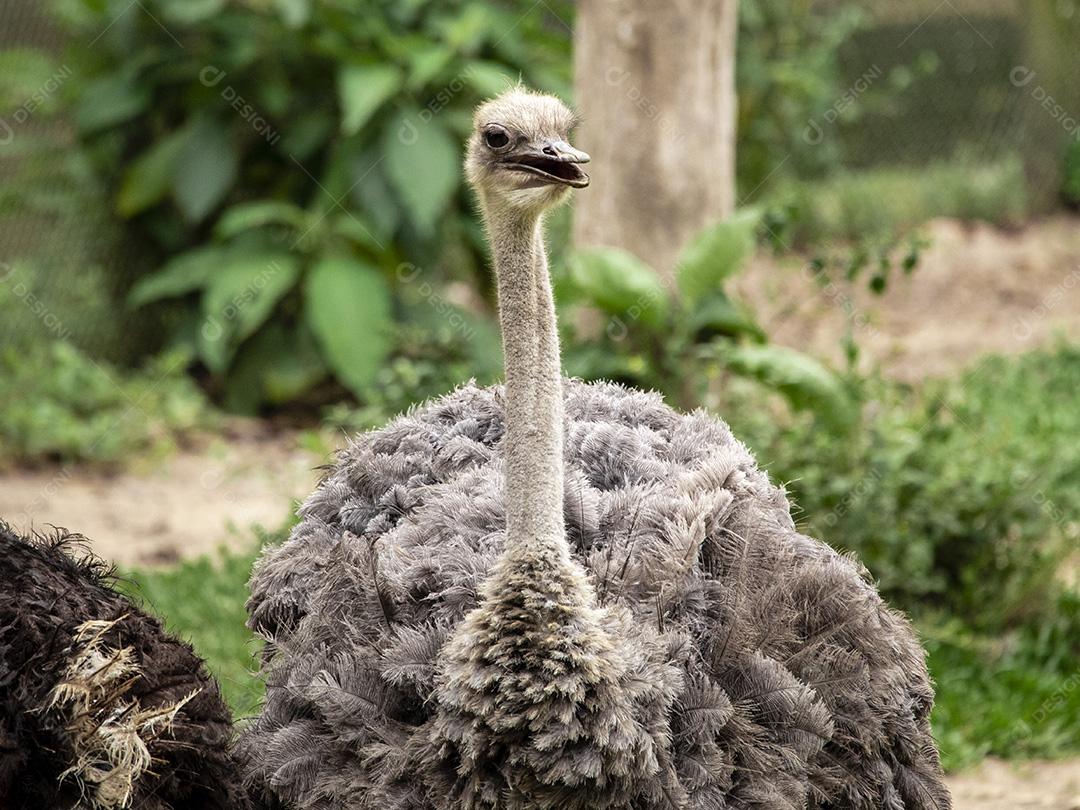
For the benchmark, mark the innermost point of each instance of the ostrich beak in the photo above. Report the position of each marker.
(552, 161)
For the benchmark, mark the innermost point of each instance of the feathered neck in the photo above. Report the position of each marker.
(534, 710)
(533, 443)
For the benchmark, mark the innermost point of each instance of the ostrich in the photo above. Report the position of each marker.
(99, 707)
(554, 594)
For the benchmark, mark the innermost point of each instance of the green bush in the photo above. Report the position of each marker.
(57, 404)
(675, 338)
(295, 166)
(790, 78)
(962, 497)
(281, 163)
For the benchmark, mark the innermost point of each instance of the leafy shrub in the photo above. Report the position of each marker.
(289, 159)
(277, 164)
(962, 497)
(676, 337)
(57, 404)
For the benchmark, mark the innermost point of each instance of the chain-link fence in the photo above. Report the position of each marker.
(63, 262)
(977, 79)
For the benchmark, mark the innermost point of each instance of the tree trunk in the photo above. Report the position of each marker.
(655, 83)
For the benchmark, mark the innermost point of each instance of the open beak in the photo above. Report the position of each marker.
(551, 161)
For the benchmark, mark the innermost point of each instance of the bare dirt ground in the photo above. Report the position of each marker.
(185, 505)
(977, 290)
(997, 785)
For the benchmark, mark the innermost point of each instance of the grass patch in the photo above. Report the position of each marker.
(59, 405)
(1015, 696)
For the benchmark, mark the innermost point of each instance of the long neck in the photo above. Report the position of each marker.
(534, 405)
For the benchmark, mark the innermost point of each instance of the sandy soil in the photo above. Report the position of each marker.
(186, 505)
(997, 785)
(977, 290)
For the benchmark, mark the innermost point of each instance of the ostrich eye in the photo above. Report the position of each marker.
(496, 138)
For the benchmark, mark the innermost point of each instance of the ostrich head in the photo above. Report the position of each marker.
(518, 154)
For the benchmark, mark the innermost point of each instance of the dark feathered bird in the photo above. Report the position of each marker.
(99, 706)
(560, 595)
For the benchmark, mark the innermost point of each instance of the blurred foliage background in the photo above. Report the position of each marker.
(256, 207)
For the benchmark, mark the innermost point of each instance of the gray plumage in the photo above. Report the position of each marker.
(763, 663)
(563, 595)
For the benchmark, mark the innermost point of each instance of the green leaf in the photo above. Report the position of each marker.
(110, 100)
(347, 306)
(489, 78)
(294, 12)
(245, 216)
(715, 254)
(381, 209)
(621, 284)
(351, 227)
(800, 378)
(719, 315)
(471, 27)
(362, 89)
(239, 297)
(278, 364)
(427, 63)
(149, 177)
(187, 272)
(205, 170)
(308, 134)
(422, 166)
(189, 12)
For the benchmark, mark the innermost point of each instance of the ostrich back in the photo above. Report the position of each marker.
(768, 671)
(99, 706)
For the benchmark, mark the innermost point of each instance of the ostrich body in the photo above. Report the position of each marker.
(99, 706)
(561, 595)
